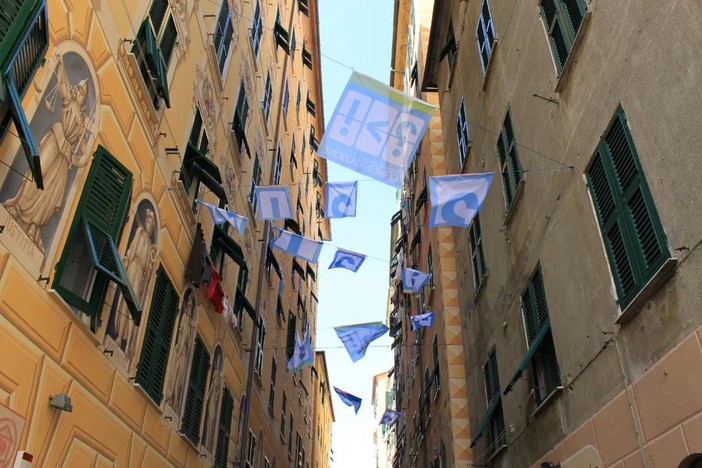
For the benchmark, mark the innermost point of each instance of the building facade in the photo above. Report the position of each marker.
(580, 315)
(383, 437)
(323, 414)
(158, 334)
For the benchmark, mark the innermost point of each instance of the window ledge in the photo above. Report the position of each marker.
(213, 64)
(562, 78)
(148, 398)
(552, 396)
(654, 284)
(498, 451)
(517, 196)
(489, 66)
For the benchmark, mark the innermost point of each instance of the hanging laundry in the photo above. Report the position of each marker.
(215, 292)
(199, 260)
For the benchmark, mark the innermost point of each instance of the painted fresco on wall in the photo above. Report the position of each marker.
(139, 262)
(65, 125)
(175, 388)
(214, 398)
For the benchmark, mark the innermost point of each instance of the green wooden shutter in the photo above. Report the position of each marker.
(157, 338)
(492, 378)
(190, 426)
(534, 307)
(225, 425)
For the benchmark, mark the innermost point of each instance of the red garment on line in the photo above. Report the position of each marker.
(215, 292)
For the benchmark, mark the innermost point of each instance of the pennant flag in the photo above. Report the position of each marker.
(413, 281)
(220, 216)
(375, 129)
(347, 259)
(389, 417)
(341, 199)
(274, 202)
(455, 199)
(302, 355)
(422, 320)
(297, 246)
(350, 400)
(356, 338)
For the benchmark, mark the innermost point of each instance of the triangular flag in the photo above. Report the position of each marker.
(350, 400)
(455, 199)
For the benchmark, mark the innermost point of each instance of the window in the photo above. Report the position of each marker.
(267, 98)
(251, 450)
(293, 158)
(278, 171)
(510, 168)
(311, 108)
(314, 144)
(449, 49)
(239, 302)
(485, 33)
(241, 114)
(430, 267)
(493, 420)
(24, 34)
(290, 434)
(224, 432)
(90, 259)
(266, 463)
(303, 6)
(541, 352)
(286, 98)
(153, 48)
(281, 34)
(477, 254)
(298, 450)
(293, 46)
(190, 424)
(223, 34)
(297, 107)
(631, 230)
(290, 342)
(562, 19)
(257, 29)
(435, 353)
(156, 347)
(282, 415)
(306, 56)
(463, 136)
(319, 207)
(197, 167)
(255, 181)
(271, 388)
(259, 348)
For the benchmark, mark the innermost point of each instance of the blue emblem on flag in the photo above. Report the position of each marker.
(341, 199)
(389, 417)
(297, 246)
(350, 400)
(274, 202)
(375, 129)
(455, 199)
(413, 280)
(347, 259)
(221, 216)
(422, 320)
(356, 338)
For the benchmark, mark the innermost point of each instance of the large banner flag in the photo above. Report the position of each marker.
(274, 202)
(350, 400)
(221, 216)
(422, 320)
(413, 280)
(297, 245)
(341, 199)
(347, 259)
(389, 417)
(302, 354)
(375, 129)
(356, 338)
(455, 199)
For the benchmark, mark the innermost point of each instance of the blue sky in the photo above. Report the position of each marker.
(358, 35)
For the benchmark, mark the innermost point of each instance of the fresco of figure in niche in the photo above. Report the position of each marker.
(65, 125)
(214, 397)
(175, 387)
(139, 261)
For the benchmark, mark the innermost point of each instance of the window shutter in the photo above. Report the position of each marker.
(575, 14)
(157, 338)
(555, 32)
(196, 392)
(221, 26)
(225, 425)
(492, 378)
(157, 13)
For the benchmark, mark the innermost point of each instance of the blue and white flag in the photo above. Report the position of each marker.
(413, 280)
(375, 129)
(455, 199)
(274, 202)
(221, 216)
(341, 199)
(389, 417)
(422, 320)
(350, 400)
(356, 338)
(297, 246)
(302, 355)
(347, 259)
